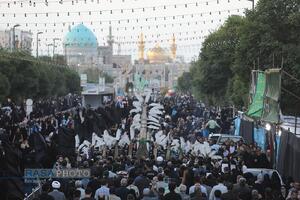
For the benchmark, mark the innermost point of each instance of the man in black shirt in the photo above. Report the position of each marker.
(172, 195)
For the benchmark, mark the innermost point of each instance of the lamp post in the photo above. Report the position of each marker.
(37, 43)
(13, 36)
(48, 45)
(66, 56)
(54, 39)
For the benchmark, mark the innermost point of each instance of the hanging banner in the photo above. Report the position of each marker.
(271, 111)
(256, 107)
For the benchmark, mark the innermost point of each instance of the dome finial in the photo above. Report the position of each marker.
(173, 47)
(141, 48)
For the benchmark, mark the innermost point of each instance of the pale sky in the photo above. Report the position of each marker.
(189, 20)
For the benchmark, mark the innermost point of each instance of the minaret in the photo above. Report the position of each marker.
(173, 47)
(110, 42)
(141, 48)
(110, 39)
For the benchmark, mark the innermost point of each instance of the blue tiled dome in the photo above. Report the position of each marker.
(80, 36)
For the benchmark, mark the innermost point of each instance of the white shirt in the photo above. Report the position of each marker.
(220, 187)
(102, 191)
(202, 189)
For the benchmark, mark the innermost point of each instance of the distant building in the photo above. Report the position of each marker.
(23, 40)
(82, 51)
(162, 67)
(81, 47)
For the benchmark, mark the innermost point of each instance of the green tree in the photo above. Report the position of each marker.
(212, 72)
(94, 73)
(265, 38)
(4, 86)
(269, 36)
(185, 82)
(23, 76)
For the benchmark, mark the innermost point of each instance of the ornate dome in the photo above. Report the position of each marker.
(158, 55)
(80, 36)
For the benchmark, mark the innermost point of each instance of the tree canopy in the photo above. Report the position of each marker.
(94, 73)
(22, 76)
(267, 37)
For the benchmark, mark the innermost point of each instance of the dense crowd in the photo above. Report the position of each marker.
(166, 173)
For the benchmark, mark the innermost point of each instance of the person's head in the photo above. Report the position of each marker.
(46, 188)
(146, 192)
(197, 179)
(60, 159)
(78, 184)
(112, 190)
(182, 188)
(297, 186)
(76, 194)
(123, 182)
(260, 178)
(55, 185)
(172, 186)
(255, 194)
(218, 194)
(160, 177)
(238, 178)
(103, 182)
(294, 194)
(161, 191)
(88, 192)
(242, 182)
(230, 186)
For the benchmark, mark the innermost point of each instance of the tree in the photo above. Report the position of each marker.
(264, 38)
(269, 36)
(94, 73)
(23, 76)
(4, 86)
(212, 72)
(185, 82)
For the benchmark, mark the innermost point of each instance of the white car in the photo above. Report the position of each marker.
(222, 138)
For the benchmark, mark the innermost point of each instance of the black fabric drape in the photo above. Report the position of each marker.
(246, 130)
(289, 154)
(11, 184)
(66, 141)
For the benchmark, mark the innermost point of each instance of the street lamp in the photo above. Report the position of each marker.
(268, 126)
(54, 39)
(13, 38)
(37, 43)
(48, 45)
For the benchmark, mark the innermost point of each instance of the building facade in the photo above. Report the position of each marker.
(23, 40)
(161, 67)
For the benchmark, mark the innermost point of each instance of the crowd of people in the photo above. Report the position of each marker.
(166, 173)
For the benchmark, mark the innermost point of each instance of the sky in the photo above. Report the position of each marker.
(189, 20)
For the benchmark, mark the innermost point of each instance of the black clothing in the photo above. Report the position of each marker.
(172, 196)
(122, 192)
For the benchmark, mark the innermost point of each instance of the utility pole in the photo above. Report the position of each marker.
(13, 47)
(54, 39)
(48, 45)
(37, 43)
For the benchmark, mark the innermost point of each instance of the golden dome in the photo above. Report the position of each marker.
(158, 55)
